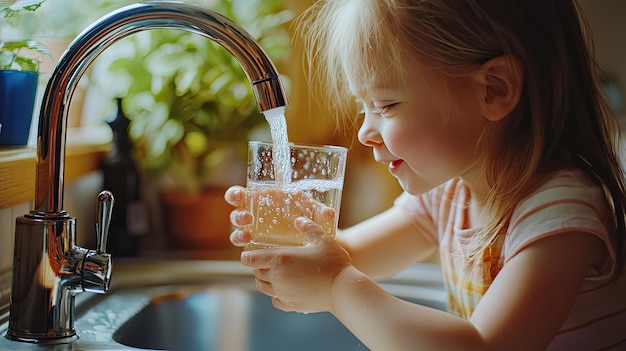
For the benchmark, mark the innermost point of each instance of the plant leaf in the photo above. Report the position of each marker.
(20, 62)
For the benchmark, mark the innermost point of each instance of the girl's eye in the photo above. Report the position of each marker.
(383, 110)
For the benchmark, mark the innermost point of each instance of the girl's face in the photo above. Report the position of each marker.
(425, 127)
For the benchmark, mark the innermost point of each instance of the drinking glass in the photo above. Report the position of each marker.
(288, 181)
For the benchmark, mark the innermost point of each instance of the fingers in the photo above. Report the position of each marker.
(324, 214)
(279, 304)
(321, 212)
(240, 237)
(264, 286)
(240, 218)
(236, 195)
(257, 259)
(312, 230)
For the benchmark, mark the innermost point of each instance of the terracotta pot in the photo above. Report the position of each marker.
(196, 221)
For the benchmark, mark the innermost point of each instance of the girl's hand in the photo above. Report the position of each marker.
(299, 278)
(240, 217)
(236, 196)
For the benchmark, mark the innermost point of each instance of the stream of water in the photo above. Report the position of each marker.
(278, 129)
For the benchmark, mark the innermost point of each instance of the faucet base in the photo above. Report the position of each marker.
(43, 341)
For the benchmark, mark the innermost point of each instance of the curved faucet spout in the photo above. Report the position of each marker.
(263, 76)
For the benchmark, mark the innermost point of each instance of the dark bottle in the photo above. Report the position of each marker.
(121, 177)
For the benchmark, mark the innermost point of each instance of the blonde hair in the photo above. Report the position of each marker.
(561, 115)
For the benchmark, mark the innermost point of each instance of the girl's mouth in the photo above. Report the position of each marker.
(394, 165)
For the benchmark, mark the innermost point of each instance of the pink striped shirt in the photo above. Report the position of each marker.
(569, 201)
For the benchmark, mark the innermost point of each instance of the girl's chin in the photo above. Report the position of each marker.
(405, 183)
(411, 183)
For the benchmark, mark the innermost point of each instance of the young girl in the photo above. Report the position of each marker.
(489, 115)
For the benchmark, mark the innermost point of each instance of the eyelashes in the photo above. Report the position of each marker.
(384, 110)
(361, 108)
(380, 110)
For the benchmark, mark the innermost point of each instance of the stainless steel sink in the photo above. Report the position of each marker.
(225, 318)
(212, 305)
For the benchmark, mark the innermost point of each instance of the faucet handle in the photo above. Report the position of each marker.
(96, 270)
(104, 209)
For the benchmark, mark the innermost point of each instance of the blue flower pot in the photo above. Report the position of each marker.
(17, 101)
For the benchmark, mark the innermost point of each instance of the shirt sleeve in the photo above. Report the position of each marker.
(569, 202)
(419, 209)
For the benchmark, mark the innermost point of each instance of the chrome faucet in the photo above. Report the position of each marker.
(48, 268)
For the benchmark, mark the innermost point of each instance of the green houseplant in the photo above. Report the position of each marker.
(11, 57)
(188, 99)
(192, 111)
(18, 76)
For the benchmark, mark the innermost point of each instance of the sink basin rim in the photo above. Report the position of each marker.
(136, 280)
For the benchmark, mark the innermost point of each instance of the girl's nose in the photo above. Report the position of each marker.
(368, 134)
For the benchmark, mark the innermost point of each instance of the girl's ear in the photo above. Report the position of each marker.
(500, 81)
